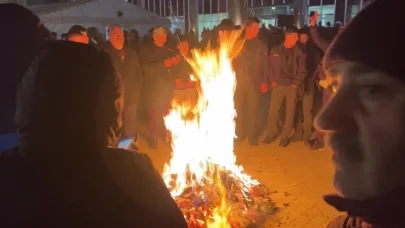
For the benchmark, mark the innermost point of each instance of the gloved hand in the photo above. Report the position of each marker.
(264, 88)
(176, 59)
(274, 84)
(294, 86)
(168, 62)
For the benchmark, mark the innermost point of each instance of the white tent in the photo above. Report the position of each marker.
(97, 13)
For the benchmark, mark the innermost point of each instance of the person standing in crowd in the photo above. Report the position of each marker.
(53, 36)
(364, 121)
(185, 89)
(17, 53)
(157, 60)
(95, 38)
(251, 69)
(63, 36)
(133, 40)
(66, 171)
(313, 58)
(128, 67)
(319, 75)
(287, 72)
(78, 33)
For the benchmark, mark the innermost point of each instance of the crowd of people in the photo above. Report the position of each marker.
(154, 70)
(77, 99)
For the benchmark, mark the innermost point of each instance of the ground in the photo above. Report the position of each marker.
(299, 176)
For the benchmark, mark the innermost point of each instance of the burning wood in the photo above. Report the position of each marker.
(242, 209)
(202, 176)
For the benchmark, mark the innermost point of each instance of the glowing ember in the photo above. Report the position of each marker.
(202, 175)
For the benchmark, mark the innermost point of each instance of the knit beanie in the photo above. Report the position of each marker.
(373, 38)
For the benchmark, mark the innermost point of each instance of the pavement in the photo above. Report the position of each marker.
(298, 176)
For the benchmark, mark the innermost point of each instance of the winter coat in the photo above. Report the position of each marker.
(384, 211)
(252, 64)
(64, 174)
(128, 67)
(157, 76)
(298, 65)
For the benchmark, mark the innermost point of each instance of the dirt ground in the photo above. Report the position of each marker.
(298, 176)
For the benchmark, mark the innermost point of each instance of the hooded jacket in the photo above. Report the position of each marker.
(63, 174)
(19, 44)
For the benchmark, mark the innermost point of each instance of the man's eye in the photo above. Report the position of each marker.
(372, 91)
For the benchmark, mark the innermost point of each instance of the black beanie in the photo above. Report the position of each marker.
(373, 38)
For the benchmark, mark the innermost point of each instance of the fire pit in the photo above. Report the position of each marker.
(202, 176)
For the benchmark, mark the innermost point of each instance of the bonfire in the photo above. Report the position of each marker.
(202, 176)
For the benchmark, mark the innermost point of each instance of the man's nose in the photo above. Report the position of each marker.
(337, 115)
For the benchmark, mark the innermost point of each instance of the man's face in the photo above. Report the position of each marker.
(291, 38)
(253, 30)
(304, 38)
(116, 38)
(364, 124)
(160, 39)
(183, 47)
(80, 38)
(85, 37)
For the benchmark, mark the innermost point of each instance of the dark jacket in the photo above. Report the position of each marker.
(298, 65)
(157, 76)
(130, 71)
(17, 53)
(386, 210)
(252, 64)
(63, 174)
(97, 43)
(314, 57)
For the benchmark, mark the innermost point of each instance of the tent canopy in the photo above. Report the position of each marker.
(97, 13)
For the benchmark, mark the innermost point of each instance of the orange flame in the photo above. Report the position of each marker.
(202, 143)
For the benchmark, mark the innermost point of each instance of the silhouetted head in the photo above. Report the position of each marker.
(22, 36)
(252, 27)
(78, 33)
(70, 97)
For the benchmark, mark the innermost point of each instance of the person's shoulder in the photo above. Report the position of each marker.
(124, 153)
(130, 52)
(70, 51)
(10, 155)
(299, 51)
(69, 46)
(345, 221)
(146, 45)
(124, 157)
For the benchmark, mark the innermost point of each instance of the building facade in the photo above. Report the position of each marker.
(197, 15)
